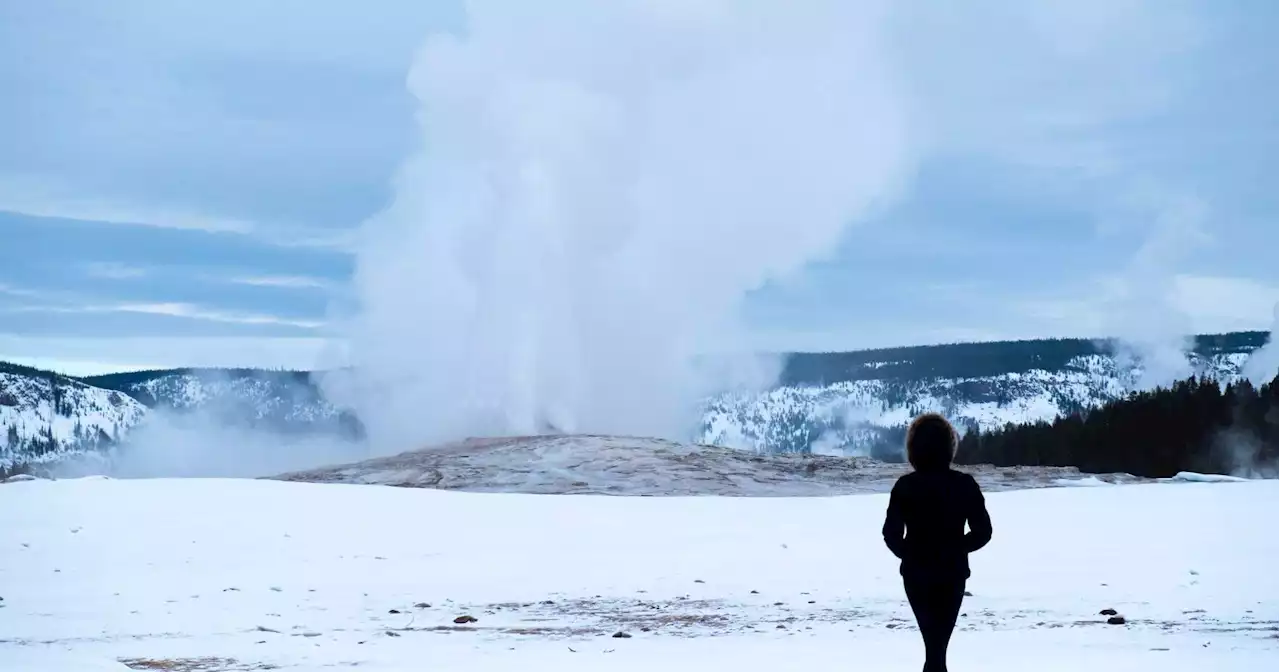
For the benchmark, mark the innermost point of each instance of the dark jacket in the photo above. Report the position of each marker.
(932, 506)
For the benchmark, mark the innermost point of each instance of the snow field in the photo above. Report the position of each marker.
(304, 576)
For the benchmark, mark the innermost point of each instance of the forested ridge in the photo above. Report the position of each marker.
(133, 383)
(1196, 425)
(975, 360)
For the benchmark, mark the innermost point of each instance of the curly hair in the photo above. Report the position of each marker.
(931, 442)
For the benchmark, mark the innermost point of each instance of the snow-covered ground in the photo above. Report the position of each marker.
(210, 574)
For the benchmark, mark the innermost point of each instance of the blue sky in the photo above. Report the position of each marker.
(181, 181)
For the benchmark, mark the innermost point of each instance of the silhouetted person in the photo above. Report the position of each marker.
(932, 504)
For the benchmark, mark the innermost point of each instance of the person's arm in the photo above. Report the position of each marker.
(895, 526)
(979, 520)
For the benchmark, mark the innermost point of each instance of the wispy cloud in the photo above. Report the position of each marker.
(192, 311)
(41, 197)
(21, 292)
(47, 198)
(107, 270)
(89, 356)
(171, 309)
(315, 238)
(283, 281)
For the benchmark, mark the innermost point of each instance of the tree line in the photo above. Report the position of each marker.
(1195, 425)
(976, 360)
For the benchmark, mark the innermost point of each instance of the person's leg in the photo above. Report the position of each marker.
(922, 595)
(949, 597)
(936, 605)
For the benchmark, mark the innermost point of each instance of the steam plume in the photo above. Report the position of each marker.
(600, 184)
(1151, 333)
(1264, 364)
(598, 187)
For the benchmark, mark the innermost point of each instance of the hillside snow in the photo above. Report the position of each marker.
(47, 419)
(265, 404)
(221, 575)
(854, 416)
(266, 397)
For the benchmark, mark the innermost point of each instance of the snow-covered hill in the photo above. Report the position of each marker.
(278, 401)
(866, 415)
(45, 417)
(224, 574)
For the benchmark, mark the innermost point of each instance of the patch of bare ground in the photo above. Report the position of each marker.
(637, 466)
(578, 618)
(203, 664)
(684, 617)
(526, 631)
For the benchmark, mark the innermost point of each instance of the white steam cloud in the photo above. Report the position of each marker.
(599, 186)
(1152, 334)
(1264, 364)
(226, 434)
(200, 444)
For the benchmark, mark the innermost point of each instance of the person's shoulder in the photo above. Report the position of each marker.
(906, 481)
(967, 479)
(909, 477)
